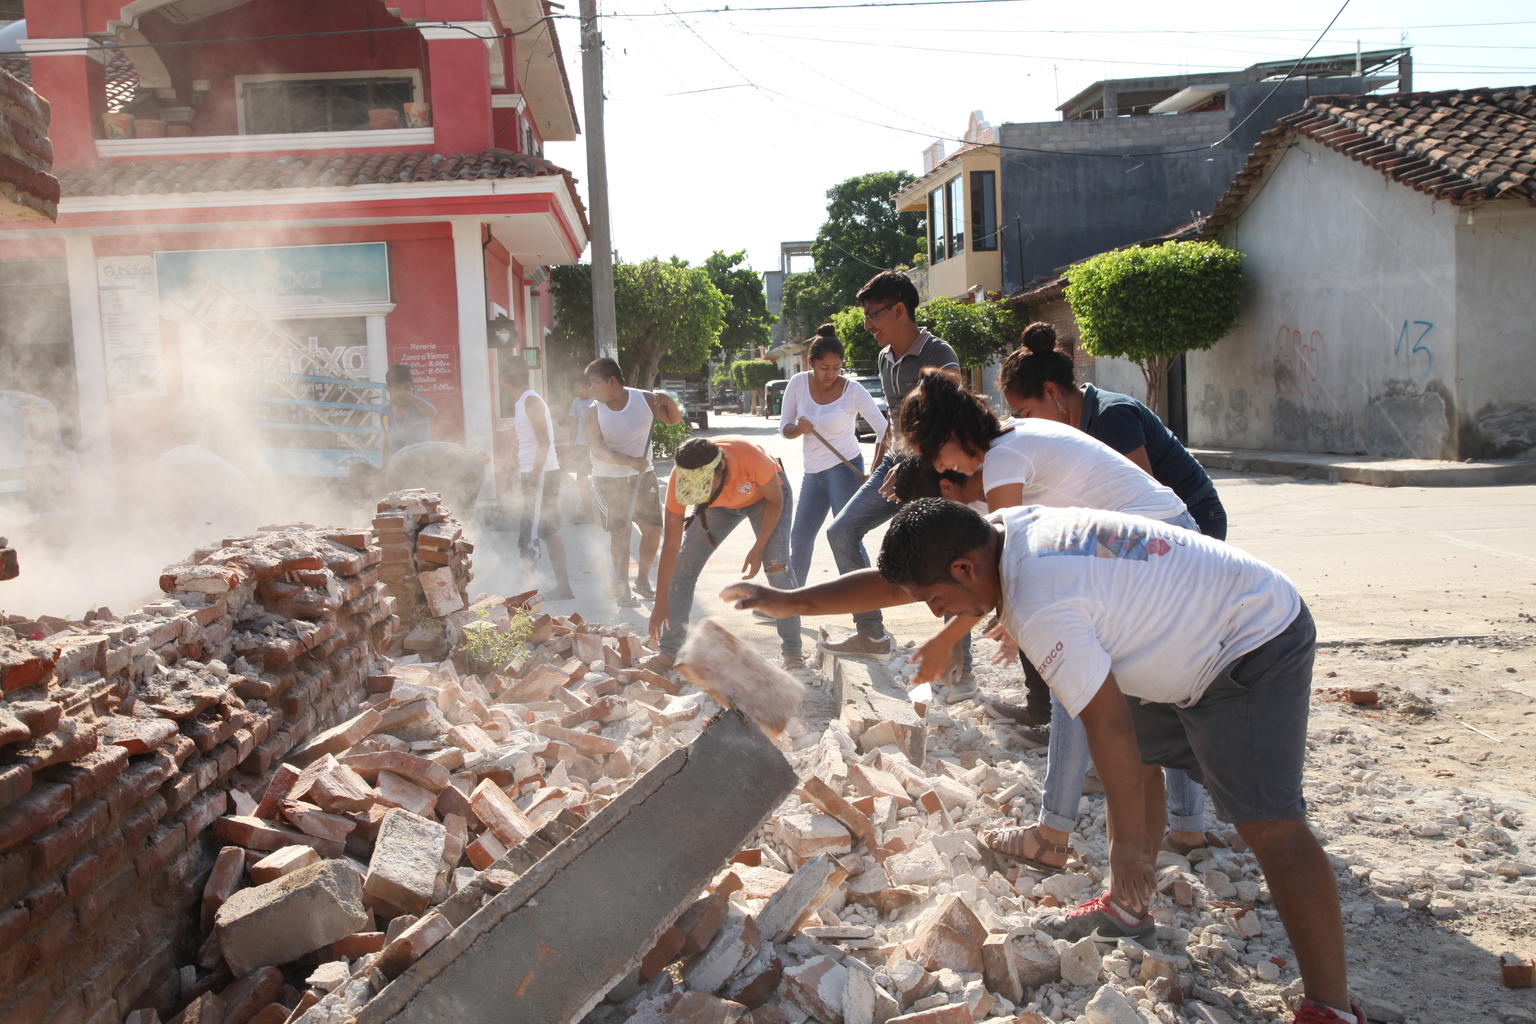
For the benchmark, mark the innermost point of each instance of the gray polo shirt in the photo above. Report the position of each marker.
(899, 376)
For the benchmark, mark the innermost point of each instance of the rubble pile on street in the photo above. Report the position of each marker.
(869, 897)
(291, 821)
(333, 880)
(119, 740)
(426, 567)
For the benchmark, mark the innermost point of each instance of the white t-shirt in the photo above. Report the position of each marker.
(527, 443)
(1064, 467)
(1086, 592)
(627, 431)
(835, 420)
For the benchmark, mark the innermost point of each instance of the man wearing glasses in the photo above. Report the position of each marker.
(889, 300)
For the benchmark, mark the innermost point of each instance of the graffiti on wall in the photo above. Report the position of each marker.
(1410, 354)
(1298, 364)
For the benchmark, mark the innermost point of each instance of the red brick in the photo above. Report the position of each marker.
(86, 776)
(70, 740)
(94, 905)
(44, 806)
(248, 996)
(204, 811)
(163, 844)
(14, 923)
(29, 1009)
(356, 945)
(21, 668)
(15, 783)
(53, 849)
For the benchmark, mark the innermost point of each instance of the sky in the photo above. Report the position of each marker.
(725, 129)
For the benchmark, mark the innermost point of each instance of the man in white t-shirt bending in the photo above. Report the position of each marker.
(619, 436)
(1174, 650)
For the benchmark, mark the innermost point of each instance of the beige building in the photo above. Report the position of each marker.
(959, 196)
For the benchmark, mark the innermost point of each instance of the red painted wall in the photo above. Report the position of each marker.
(422, 330)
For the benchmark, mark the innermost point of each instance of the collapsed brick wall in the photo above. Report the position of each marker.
(121, 739)
(426, 567)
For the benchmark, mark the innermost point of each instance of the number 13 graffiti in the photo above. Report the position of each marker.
(1410, 347)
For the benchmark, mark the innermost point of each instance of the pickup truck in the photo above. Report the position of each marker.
(692, 395)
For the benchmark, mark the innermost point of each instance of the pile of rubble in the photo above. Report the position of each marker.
(333, 879)
(869, 898)
(119, 738)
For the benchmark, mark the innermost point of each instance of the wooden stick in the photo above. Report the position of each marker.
(1480, 732)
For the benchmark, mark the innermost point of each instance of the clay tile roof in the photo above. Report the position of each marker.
(244, 173)
(1468, 146)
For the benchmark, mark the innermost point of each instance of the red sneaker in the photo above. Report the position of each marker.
(1096, 919)
(1309, 1012)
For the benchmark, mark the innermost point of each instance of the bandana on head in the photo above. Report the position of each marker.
(696, 486)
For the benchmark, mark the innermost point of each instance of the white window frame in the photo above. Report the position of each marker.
(241, 81)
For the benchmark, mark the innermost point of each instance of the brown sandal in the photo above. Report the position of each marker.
(1023, 844)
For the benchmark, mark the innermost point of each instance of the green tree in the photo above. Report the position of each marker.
(978, 331)
(669, 315)
(859, 346)
(1149, 304)
(747, 319)
(862, 235)
(754, 374)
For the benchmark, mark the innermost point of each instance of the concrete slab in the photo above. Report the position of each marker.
(547, 948)
(875, 707)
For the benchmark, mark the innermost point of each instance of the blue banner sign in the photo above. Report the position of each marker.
(290, 277)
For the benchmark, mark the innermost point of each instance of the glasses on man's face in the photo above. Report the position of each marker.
(870, 314)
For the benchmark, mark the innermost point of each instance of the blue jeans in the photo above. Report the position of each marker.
(1066, 764)
(820, 493)
(866, 510)
(863, 512)
(696, 548)
(1067, 759)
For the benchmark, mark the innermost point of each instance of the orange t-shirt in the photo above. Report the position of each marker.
(747, 470)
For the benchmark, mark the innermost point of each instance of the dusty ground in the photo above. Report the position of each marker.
(1426, 803)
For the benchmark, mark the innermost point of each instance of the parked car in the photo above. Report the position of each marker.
(863, 431)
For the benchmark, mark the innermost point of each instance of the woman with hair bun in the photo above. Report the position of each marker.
(822, 406)
(1037, 383)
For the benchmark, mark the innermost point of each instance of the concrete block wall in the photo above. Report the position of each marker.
(121, 739)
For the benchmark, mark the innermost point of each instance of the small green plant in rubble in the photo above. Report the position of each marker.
(489, 648)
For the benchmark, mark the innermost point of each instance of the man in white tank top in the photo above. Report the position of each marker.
(619, 435)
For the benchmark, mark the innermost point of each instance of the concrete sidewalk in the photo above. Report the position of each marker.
(1367, 469)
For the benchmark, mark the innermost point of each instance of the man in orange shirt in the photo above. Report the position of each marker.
(726, 480)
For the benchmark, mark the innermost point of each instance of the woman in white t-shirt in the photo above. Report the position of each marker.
(1041, 462)
(821, 401)
(1029, 462)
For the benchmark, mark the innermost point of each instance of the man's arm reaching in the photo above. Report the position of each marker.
(860, 591)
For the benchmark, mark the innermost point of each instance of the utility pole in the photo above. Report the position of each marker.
(604, 320)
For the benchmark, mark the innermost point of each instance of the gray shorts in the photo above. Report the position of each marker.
(1246, 738)
(628, 499)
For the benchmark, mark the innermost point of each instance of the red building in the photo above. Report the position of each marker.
(266, 203)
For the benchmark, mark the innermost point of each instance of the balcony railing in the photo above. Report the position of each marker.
(201, 145)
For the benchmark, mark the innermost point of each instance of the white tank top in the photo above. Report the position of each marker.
(627, 431)
(527, 444)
